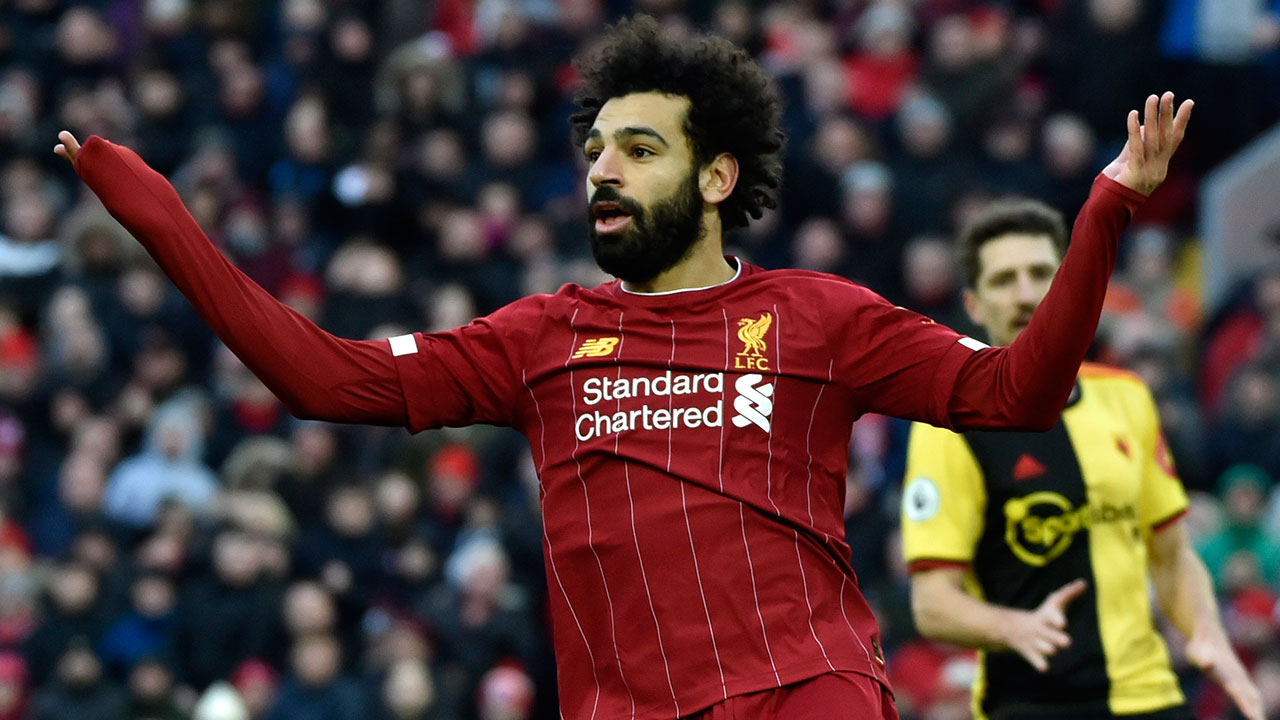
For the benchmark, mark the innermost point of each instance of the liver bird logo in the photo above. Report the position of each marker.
(752, 332)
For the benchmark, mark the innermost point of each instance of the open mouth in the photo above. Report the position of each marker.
(610, 217)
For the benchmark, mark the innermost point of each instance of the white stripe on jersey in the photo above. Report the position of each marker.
(763, 632)
(805, 582)
(777, 364)
(697, 572)
(626, 472)
(586, 497)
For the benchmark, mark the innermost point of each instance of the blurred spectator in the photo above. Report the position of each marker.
(408, 557)
(316, 689)
(227, 615)
(343, 552)
(15, 692)
(931, 281)
(256, 682)
(926, 163)
(1241, 554)
(969, 69)
(506, 693)
(79, 690)
(1218, 52)
(408, 693)
(1146, 305)
(145, 630)
(220, 702)
(168, 468)
(77, 506)
(883, 64)
(1101, 64)
(1248, 421)
(1248, 329)
(71, 617)
(29, 254)
(479, 616)
(152, 692)
(1181, 418)
(1067, 149)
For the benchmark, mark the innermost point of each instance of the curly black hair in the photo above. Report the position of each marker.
(734, 108)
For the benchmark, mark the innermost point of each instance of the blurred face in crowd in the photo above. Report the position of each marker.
(153, 596)
(308, 608)
(645, 207)
(1015, 271)
(350, 512)
(150, 681)
(235, 559)
(409, 690)
(74, 588)
(79, 668)
(317, 660)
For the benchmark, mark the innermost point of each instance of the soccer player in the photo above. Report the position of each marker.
(1037, 548)
(690, 421)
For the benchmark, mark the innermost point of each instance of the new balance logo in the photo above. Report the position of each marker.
(753, 404)
(595, 347)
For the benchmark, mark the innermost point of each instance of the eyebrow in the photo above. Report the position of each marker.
(629, 132)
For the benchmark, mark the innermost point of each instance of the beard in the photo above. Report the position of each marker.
(657, 238)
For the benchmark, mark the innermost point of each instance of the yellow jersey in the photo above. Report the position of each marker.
(1026, 513)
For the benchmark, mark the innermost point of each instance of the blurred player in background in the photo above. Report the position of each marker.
(1037, 548)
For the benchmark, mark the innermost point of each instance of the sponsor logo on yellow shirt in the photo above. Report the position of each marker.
(1040, 526)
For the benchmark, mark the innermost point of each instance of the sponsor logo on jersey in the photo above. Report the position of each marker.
(595, 347)
(754, 403)
(1041, 526)
(752, 331)
(666, 415)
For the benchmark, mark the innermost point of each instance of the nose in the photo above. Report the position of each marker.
(1028, 289)
(606, 170)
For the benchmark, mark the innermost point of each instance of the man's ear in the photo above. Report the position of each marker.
(717, 178)
(972, 309)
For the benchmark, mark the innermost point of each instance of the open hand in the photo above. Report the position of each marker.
(1144, 161)
(68, 148)
(1039, 634)
(1219, 662)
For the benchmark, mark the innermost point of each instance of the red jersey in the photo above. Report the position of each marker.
(692, 445)
(692, 448)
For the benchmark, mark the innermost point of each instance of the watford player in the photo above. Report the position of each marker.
(1037, 548)
(689, 421)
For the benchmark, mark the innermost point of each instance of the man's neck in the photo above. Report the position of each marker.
(704, 266)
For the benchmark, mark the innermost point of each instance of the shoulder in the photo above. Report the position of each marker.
(926, 435)
(1113, 380)
(811, 285)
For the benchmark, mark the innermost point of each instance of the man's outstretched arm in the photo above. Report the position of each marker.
(315, 374)
(1185, 594)
(1027, 384)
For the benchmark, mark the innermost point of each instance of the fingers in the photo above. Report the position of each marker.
(1151, 125)
(1035, 659)
(68, 147)
(1180, 121)
(1061, 597)
(1166, 121)
(1248, 699)
(1134, 146)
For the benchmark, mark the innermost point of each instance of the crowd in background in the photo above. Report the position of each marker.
(174, 545)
